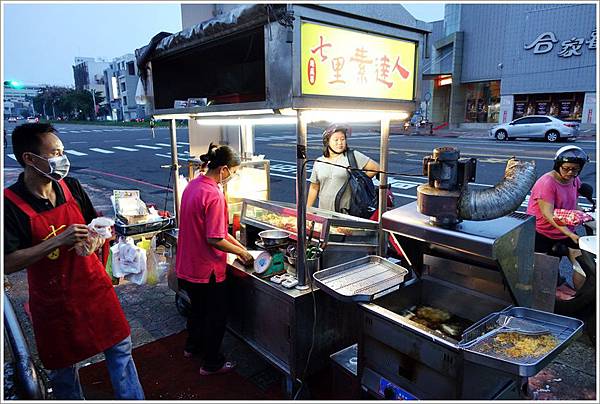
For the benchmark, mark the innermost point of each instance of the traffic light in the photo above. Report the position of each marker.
(13, 84)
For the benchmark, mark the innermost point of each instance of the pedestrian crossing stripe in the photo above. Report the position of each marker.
(12, 156)
(124, 148)
(166, 145)
(75, 153)
(169, 156)
(143, 146)
(185, 143)
(96, 149)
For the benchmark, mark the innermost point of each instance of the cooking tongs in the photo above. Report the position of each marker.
(515, 324)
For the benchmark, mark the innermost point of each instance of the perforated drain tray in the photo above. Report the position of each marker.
(361, 280)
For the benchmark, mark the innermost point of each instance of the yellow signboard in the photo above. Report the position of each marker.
(347, 63)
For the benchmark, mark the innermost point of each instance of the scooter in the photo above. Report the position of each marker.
(583, 304)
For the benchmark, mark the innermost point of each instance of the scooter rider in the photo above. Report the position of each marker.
(557, 189)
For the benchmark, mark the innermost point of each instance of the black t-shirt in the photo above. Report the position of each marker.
(17, 227)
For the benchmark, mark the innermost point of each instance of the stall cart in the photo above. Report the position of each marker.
(264, 64)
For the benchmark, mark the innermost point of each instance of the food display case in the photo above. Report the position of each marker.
(342, 237)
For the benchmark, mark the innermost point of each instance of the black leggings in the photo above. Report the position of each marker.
(544, 244)
(207, 320)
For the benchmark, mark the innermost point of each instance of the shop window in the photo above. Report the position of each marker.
(482, 102)
(130, 69)
(566, 106)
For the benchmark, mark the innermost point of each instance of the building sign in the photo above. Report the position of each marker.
(347, 63)
(573, 46)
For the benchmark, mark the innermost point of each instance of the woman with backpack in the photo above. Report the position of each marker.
(328, 182)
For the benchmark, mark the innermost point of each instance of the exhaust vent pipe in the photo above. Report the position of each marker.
(504, 198)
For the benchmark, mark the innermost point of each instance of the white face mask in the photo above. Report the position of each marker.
(222, 181)
(59, 167)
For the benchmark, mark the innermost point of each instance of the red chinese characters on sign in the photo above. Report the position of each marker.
(403, 72)
(312, 71)
(383, 71)
(381, 67)
(337, 64)
(360, 57)
(320, 47)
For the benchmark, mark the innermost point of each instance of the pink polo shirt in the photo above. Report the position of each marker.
(562, 196)
(203, 215)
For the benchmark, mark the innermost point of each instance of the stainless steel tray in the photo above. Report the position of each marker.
(477, 342)
(361, 280)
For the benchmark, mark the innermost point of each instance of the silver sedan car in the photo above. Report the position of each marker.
(536, 126)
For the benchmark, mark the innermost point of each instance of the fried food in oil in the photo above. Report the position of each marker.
(516, 345)
(433, 315)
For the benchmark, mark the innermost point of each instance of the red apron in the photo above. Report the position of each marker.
(74, 309)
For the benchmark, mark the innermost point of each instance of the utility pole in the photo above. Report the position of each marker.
(94, 100)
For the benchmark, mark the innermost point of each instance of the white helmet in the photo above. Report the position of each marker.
(570, 154)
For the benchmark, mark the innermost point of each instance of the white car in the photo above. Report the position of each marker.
(12, 119)
(536, 126)
(33, 119)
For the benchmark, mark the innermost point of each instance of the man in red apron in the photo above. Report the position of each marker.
(75, 311)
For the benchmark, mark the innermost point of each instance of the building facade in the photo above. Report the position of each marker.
(120, 85)
(492, 63)
(89, 74)
(18, 101)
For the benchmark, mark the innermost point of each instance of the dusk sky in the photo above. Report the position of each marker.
(40, 41)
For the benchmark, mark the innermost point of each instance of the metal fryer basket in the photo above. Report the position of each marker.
(361, 280)
(480, 346)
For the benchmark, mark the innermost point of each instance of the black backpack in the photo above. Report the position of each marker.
(364, 198)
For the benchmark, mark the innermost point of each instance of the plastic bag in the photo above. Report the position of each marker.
(99, 230)
(151, 263)
(129, 261)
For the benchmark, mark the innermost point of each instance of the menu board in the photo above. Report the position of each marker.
(542, 108)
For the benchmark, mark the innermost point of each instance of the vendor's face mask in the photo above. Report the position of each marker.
(223, 181)
(59, 167)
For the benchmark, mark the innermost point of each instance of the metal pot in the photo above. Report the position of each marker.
(272, 238)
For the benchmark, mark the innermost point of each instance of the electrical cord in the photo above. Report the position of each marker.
(312, 343)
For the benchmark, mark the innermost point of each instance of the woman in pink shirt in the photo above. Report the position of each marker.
(558, 189)
(202, 247)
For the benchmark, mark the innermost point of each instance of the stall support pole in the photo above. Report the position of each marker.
(383, 184)
(301, 133)
(175, 170)
(246, 141)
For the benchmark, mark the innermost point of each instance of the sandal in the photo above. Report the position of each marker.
(226, 368)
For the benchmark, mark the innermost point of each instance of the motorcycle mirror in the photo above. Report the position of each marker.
(587, 192)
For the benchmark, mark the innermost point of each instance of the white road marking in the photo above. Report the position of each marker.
(78, 142)
(96, 149)
(169, 156)
(73, 131)
(166, 145)
(12, 156)
(143, 146)
(124, 148)
(185, 143)
(75, 153)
